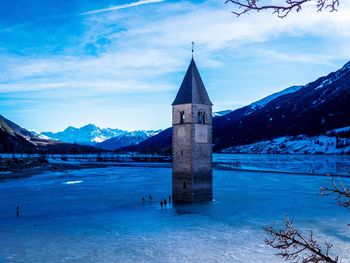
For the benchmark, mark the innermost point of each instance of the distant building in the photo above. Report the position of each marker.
(192, 140)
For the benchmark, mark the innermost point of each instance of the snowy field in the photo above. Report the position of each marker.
(96, 215)
(301, 144)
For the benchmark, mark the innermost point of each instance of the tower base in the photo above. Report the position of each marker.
(192, 187)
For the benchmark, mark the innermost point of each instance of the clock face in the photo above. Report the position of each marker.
(181, 132)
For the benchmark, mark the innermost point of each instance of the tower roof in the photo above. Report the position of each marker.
(192, 89)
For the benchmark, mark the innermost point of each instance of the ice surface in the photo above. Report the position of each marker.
(102, 219)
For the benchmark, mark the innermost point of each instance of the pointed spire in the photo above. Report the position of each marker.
(192, 89)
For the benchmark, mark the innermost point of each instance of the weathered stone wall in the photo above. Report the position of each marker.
(192, 154)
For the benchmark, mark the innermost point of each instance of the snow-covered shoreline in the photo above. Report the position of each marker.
(301, 144)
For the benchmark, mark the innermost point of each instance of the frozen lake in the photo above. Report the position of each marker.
(96, 215)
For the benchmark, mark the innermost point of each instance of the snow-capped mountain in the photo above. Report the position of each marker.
(126, 139)
(105, 138)
(39, 135)
(89, 134)
(221, 113)
(261, 103)
(310, 110)
(15, 139)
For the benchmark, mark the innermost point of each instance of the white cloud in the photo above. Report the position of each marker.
(148, 51)
(319, 59)
(119, 7)
(119, 72)
(140, 56)
(215, 27)
(97, 86)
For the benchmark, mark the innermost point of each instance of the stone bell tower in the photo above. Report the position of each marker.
(192, 179)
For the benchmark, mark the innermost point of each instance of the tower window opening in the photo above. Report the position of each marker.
(201, 117)
(182, 116)
(184, 185)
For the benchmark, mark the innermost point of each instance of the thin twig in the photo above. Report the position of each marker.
(340, 191)
(294, 246)
(282, 10)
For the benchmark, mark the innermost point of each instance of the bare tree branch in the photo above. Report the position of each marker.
(296, 247)
(282, 10)
(341, 192)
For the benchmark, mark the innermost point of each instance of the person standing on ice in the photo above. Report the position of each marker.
(17, 211)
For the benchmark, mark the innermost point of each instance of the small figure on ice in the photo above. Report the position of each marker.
(169, 199)
(17, 211)
(150, 197)
(161, 204)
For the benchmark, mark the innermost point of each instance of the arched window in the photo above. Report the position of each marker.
(201, 117)
(182, 116)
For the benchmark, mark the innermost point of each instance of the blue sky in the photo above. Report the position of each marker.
(119, 64)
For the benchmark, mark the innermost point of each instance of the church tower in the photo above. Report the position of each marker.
(192, 179)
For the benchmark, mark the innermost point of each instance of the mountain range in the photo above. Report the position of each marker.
(15, 139)
(299, 119)
(310, 110)
(88, 134)
(103, 138)
(126, 139)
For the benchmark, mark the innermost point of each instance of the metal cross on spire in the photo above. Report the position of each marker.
(192, 48)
